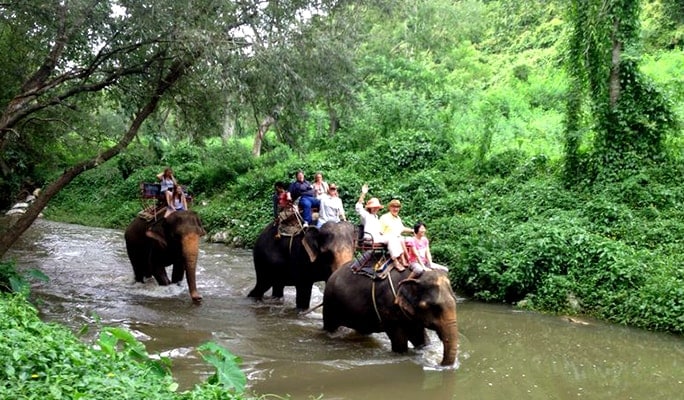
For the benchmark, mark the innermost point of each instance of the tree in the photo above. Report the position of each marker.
(312, 65)
(631, 116)
(69, 60)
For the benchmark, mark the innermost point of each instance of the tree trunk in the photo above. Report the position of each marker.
(228, 127)
(9, 237)
(615, 67)
(264, 126)
(334, 121)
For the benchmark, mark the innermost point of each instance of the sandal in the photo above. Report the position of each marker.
(398, 266)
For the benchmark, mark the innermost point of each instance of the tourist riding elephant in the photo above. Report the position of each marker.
(300, 260)
(174, 240)
(402, 308)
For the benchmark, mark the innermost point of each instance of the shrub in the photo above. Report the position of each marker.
(43, 360)
(502, 164)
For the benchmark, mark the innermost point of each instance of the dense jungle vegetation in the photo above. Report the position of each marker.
(540, 142)
(460, 111)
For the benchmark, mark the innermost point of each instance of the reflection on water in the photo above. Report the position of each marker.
(504, 354)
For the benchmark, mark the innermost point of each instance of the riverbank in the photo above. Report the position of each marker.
(288, 354)
(514, 235)
(43, 360)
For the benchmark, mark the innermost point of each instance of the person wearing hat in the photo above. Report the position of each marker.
(391, 225)
(331, 208)
(373, 228)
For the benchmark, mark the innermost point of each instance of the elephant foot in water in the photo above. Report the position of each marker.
(196, 297)
(269, 300)
(276, 300)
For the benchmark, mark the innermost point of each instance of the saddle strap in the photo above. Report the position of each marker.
(394, 293)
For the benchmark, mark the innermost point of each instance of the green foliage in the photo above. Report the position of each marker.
(413, 150)
(663, 24)
(10, 280)
(130, 348)
(220, 166)
(519, 26)
(13, 281)
(633, 133)
(228, 374)
(101, 197)
(46, 360)
(502, 164)
(483, 136)
(134, 158)
(632, 116)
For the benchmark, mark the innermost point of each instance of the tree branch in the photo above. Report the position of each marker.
(177, 70)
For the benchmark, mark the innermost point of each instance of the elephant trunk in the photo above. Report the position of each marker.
(190, 246)
(448, 334)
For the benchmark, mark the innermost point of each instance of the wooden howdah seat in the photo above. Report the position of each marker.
(367, 250)
(365, 241)
(153, 199)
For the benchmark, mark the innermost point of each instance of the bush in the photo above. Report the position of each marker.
(502, 164)
(43, 360)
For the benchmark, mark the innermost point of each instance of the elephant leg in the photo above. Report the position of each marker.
(303, 297)
(260, 288)
(398, 337)
(177, 273)
(161, 277)
(330, 315)
(278, 291)
(140, 268)
(418, 336)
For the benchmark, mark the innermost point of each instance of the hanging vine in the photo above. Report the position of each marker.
(631, 117)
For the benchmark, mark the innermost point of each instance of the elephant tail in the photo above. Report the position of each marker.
(312, 309)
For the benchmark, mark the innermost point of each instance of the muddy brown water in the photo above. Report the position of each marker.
(503, 353)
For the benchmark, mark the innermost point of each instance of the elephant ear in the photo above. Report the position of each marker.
(156, 233)
(310, 243)
(407, 297)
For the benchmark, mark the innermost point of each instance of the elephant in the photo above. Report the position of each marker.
(400, 305)
(300, 260)
(174, 240)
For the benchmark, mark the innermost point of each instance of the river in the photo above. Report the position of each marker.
(504, 353)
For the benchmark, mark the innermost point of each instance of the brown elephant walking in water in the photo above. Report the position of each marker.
(402, 308)
(300, 260)
(174, 240)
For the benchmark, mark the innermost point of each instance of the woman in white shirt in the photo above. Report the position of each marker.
(331, 208)
(320, 186)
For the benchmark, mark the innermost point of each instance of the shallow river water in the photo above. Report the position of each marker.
(503, 353)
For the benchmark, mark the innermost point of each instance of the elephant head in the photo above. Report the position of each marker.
(430, 300)
(331, 245)
(176, 241)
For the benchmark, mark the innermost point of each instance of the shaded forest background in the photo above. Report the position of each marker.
(484, 117)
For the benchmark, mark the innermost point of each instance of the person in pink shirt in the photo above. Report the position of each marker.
(418, 247)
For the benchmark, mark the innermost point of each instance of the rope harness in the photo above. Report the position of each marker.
(394, 293)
